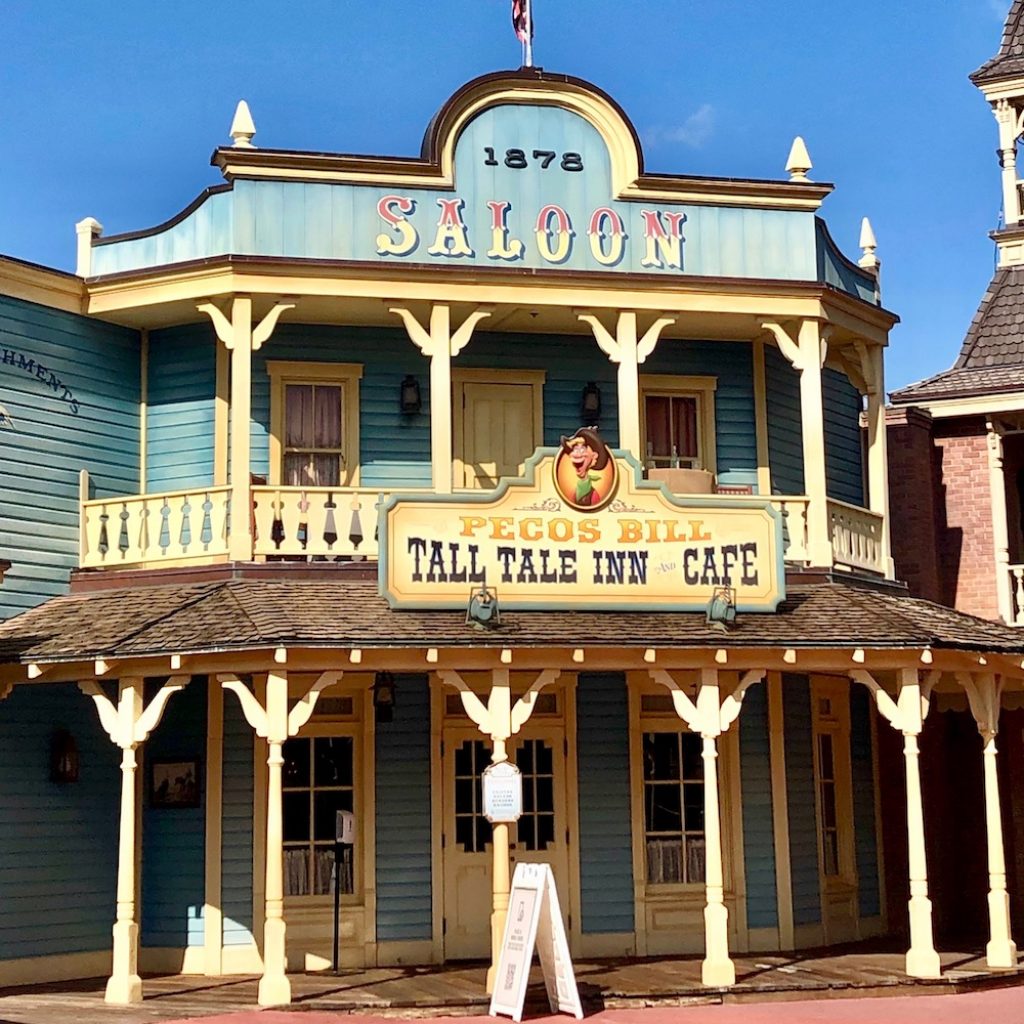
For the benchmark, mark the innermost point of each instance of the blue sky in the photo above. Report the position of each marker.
(110, 109)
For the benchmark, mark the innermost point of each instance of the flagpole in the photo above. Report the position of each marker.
(529, 34)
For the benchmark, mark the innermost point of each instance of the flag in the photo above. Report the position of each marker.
(521, 16)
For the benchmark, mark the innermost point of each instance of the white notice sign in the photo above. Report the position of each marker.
(534, 919)
(503, 792)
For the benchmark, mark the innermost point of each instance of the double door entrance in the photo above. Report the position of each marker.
(540, 835)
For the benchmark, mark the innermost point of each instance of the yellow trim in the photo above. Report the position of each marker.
(675, 386)
(347, 375)
(780, 810)
(533, 379)
(42, 286)
(259, 818)
(975, 406)
(213, 915)
(764, 474)
(221, 417)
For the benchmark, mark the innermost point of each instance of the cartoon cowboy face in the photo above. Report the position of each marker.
(582, 456)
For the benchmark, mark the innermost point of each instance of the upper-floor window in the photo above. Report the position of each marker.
(678, 422)
(314, 413)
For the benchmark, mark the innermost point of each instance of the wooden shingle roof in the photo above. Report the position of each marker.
(1009, 61)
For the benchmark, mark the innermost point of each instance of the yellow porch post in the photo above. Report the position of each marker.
(906, 714)
(440, 344)
(275, 723)
(128, 724)
(878, 451)
(985, 696)
(710, 716)
(241, 339)
(628, 349)
(499, 720)
(806, 352)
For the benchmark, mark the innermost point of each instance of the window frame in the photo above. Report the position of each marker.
(702, 389)
(344, 375)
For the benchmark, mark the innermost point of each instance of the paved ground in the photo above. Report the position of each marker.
(1002, 1006)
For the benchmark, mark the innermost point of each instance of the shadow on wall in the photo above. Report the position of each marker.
(950, 539)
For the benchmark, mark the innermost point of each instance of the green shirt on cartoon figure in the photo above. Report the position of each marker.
(585, 492)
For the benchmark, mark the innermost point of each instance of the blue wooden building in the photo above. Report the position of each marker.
(362, 473)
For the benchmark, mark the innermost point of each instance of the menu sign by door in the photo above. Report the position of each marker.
(534, 921)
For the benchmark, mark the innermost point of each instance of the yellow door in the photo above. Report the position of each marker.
(540, 835)
(498, 431)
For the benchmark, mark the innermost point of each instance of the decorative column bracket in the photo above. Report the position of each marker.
(907, 714)
(804, 351)
(128, 724)
(274, 722)
(440, 344)
(227, 329)
(710, 716)
(499, 719)
(984, 694)
(628, 349)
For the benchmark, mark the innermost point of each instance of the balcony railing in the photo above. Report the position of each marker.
(1016, 594)
(193, 527)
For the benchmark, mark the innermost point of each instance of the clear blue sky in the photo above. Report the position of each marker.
(111, 109)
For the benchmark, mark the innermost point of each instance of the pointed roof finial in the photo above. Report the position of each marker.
(242, 127)
(799, 162)
(868, 243)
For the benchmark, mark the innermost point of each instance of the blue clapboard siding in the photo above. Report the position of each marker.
(731, 364)
(785, 432)
(844, 465)
(180, 424)
(237, 817)
(174, 839)
(606, 855)
(758, 827)
(803, 822)
(394, 448)
(862, 766)
(569, 362)
(403, 815)
(58, 843)
(99, 365)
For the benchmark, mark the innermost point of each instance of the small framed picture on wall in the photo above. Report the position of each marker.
(174, 782)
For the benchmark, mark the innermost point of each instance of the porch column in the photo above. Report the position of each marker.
(128, 724)
(628, 348)
(499, 720)
(806, 350)
(907, 714)
(1000, 527)
(985, 696)
(241, 339)
(878, 452)
(711, 717)
(440, 344)
(276, 724)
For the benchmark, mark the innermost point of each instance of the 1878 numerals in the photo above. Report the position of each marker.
(517, 160)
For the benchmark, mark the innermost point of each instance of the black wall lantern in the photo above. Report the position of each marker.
(409, 399)
(63, 757)
(384, 696)
(590, 404)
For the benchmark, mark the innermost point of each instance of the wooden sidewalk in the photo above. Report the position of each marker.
(459, 989)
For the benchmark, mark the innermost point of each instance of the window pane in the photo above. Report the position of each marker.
(661, 755)
(464, 759)
(298, 471)
(684, 416)
(526, 833)
(659, 425)
(296, 763)
(825, 759)
(545, 830)
(483, 832)
(296, 871)
(464, 833)
(524, 759)
(332, 759)
(545, 795)
(298, 415)
(326, 471)
(693, 762)
(529, 802)
(828, 805)
(696, 861)
(831, 853)
(326, 417)
(463, 796)
(545, 765)
(326, 804)
(295, 809)
(663, 810)
(693, 805)
(664, 861)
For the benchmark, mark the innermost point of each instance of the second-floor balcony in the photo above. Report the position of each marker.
(340, 524)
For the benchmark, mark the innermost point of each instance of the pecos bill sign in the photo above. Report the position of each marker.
(573, 534)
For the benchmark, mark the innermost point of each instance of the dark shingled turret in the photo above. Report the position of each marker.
(1009, 61)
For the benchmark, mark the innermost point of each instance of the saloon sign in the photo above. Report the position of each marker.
(581, 530)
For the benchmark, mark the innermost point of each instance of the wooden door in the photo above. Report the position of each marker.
(498, 431)
(540, 836)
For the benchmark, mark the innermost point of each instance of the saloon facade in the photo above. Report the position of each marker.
(313, 451)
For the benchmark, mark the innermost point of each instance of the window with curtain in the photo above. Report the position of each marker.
(318, 782)
(673, 807)
(672, 431)
(313, 435)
